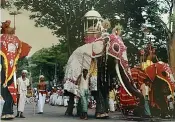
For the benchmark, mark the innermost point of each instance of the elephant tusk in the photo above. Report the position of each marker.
(120, 78)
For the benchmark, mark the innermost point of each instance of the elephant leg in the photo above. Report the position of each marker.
(79, 107)
(101, 105)
(70, 107)
(7, 112)
(164, 107)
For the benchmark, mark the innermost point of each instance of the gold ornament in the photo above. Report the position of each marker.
(106, 24)
(119, 27)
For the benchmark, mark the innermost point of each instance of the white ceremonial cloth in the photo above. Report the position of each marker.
(111, 105)
(41, 102)
(1, 105)
(22, 91)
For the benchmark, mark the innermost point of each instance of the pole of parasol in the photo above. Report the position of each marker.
(31, 81)
(14, 13)
(32, 93)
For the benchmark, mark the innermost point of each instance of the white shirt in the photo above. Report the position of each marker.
(22, 85)
(84, 84)
(171, 105)
(93, 81)
(146, 90)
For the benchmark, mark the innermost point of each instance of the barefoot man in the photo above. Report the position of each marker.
(42, 94)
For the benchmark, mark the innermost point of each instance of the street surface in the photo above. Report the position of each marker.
(56, 114)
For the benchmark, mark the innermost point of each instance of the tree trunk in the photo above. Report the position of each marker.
(68, 41)
(172, 53)
(172, 44)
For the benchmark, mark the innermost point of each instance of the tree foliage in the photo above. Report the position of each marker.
(22, 64)
(65, 19)
(46, 59)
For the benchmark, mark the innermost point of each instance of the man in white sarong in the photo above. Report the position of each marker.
(53, 97)
(60, 97)
(22, 84)
(1, 104)
(41, 94)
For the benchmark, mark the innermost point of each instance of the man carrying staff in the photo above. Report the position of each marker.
(42, 94)
(22, 84)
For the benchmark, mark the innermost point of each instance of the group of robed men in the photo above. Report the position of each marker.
(22, 87)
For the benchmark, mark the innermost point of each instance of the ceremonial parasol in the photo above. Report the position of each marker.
(14, 13)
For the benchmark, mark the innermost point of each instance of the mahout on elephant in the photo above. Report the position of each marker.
(12, 49)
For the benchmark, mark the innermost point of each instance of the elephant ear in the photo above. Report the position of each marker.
(97, 48)
(118, 50)
(165, 73)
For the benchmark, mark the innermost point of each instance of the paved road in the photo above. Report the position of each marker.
(56, 114)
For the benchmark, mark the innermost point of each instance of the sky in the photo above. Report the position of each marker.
(37, 38)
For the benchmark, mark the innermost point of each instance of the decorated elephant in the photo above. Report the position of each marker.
(12, 49)
(161, 84)
(110, 55)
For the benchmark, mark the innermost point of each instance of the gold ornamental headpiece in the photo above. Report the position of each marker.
(106, 24)
(118, 27)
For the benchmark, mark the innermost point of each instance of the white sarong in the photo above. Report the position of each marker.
(1, 105)
(41, 102)
(66, 99)
(60, 100)
(111, 105)
(53, 99)
(22, 101)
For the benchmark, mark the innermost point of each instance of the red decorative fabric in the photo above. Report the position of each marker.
(11, 49)
(25, 49)
(125, 99)
(138, 75)
(13, 92)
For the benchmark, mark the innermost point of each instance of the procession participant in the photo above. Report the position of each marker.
(171, 106)
(53, 97)
(117, 30)
(1, 104)
(145, 91)
(83, 83)
(6, 29)
(22, 84)
(60, 97)
(1, 98)
(111, 99)
(42, 94)
(106, 25)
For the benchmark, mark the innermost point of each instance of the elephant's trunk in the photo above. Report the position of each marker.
(125, 81)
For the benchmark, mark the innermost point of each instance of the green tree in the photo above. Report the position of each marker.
(22, 64)
(64, 18)
(46, 59)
